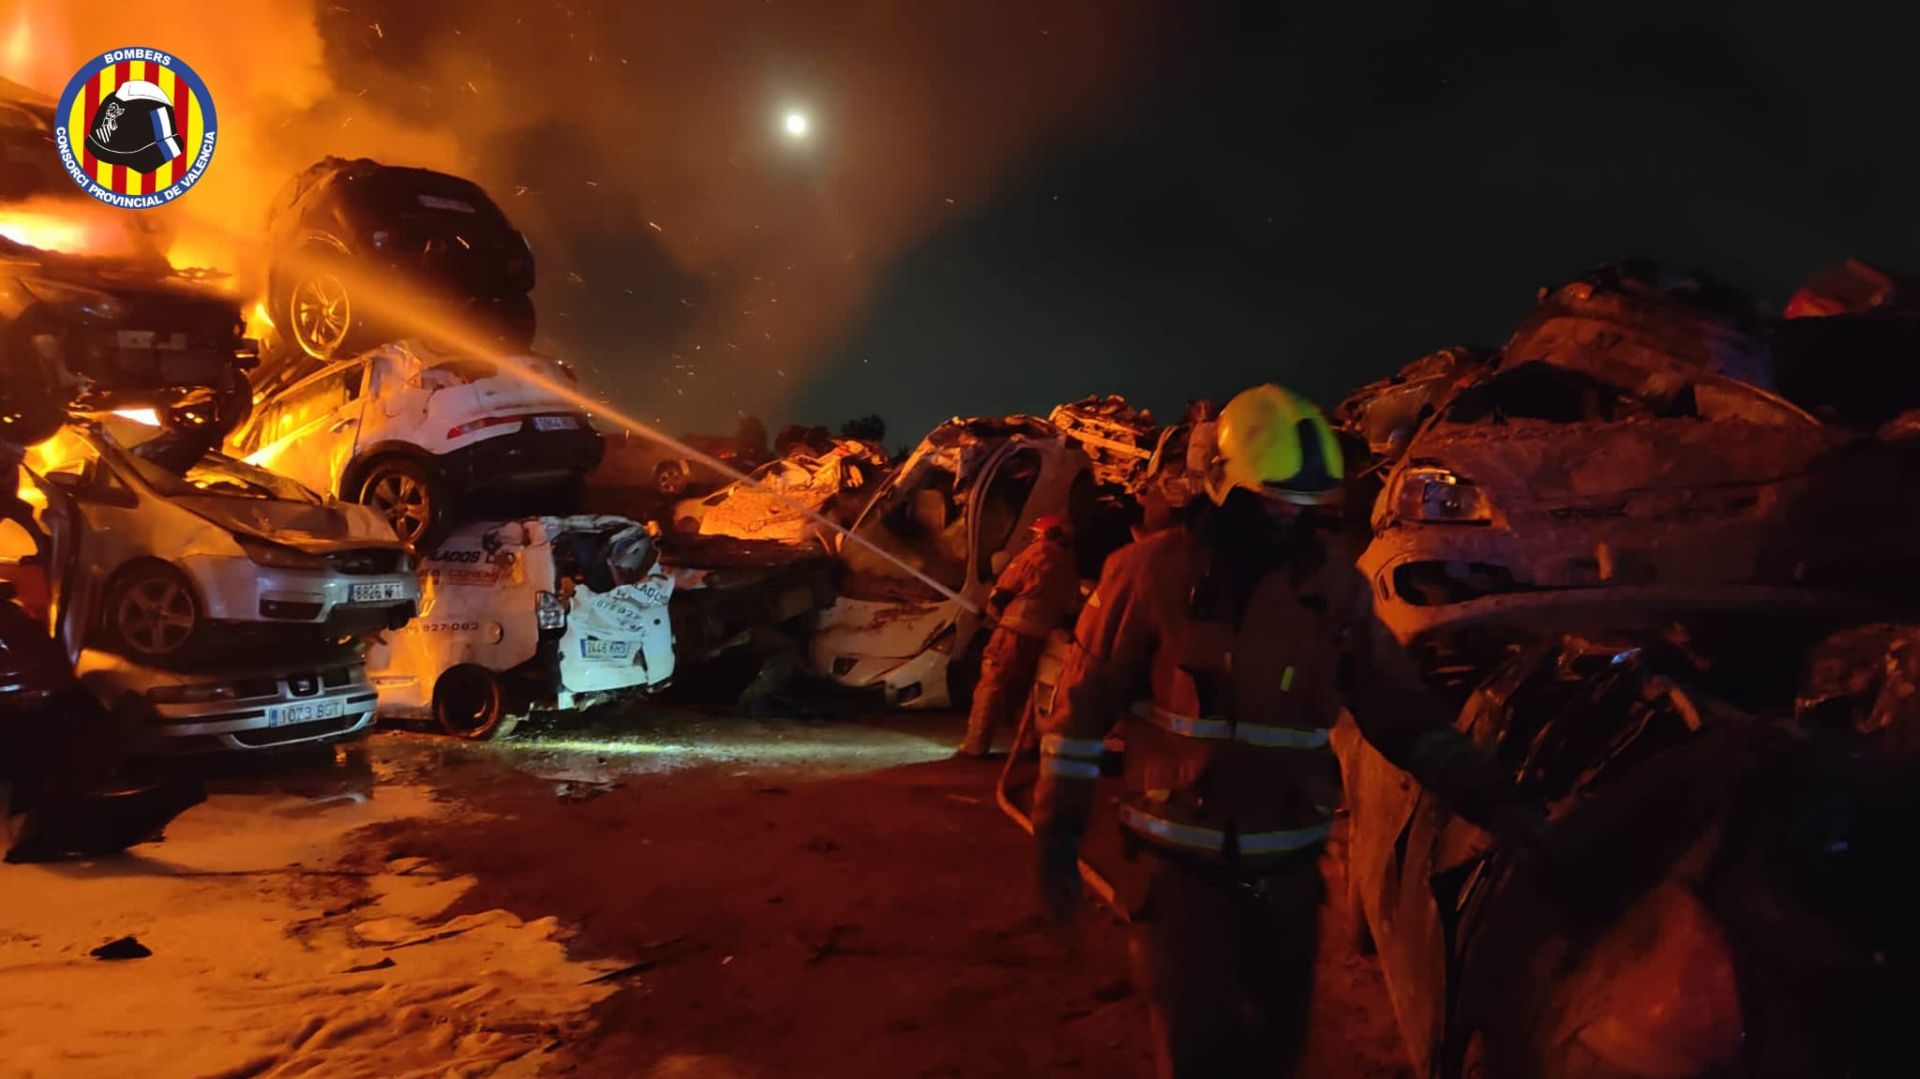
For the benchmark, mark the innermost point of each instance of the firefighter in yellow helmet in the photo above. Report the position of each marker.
(1228, 646)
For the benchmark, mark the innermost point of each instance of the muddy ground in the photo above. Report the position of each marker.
(813, 899)
(734, 898)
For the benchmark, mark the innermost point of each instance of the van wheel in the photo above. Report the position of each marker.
(410, 497)
(469, 702)
(152, 611)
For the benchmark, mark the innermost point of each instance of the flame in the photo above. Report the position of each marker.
(48, 232)
(259, 322)
(194, 253)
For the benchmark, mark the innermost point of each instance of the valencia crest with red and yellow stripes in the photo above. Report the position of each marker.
(135, 128)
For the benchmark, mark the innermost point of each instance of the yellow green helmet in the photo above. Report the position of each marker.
(1277, 444)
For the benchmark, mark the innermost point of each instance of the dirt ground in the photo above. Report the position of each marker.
(652, 893)
(815, 899)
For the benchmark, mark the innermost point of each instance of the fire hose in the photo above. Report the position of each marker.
(1096, 882)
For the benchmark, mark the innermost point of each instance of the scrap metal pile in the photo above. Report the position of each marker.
(1656, 545)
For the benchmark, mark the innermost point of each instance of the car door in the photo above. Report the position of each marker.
(313, 429)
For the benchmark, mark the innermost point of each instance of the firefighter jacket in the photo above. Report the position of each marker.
(1226, 725)
(1043, 582)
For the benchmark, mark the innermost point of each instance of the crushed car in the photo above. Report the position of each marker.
(410, 430)
(171, 541)
(1385, 413)
(1584, 470)
(243, 700)
(545, 613)
(344, 234)
(1711, 896)
(90, 288)
(741, 609)
(957, 509)
(785, 499)
(1121, 442)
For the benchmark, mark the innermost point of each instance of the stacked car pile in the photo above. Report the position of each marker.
(1677, 608)
(399, 378)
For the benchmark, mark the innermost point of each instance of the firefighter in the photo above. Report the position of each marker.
(1227, 646)
(1033, 596)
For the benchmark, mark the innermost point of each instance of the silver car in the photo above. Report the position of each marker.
(245, 706)
(171, 541)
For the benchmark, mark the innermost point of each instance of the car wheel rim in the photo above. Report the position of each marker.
(156, 616)
(670, 480)
(322, 314)
(403, 500)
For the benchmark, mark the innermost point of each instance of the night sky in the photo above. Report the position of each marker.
(1007, 204)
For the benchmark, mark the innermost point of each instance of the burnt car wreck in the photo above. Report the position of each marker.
(1673, 606)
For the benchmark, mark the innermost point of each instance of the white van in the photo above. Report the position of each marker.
(547, 612)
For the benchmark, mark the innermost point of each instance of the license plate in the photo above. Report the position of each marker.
(555, 423)
(595, 648)
(375, 592)
(286, 715)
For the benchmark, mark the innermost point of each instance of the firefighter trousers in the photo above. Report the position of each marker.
(1226, 963)
(1007, 668)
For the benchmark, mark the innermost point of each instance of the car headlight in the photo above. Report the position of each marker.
(88, 301)
(1435, 495)
(549, 612)
(191, 693)
(277, 556)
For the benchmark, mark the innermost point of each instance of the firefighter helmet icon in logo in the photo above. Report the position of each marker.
(135, 128)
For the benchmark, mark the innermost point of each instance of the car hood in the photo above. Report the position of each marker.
(1567, 464)
(313, 527)
(881, 630)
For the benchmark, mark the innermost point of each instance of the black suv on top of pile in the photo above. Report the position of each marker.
(345, 233)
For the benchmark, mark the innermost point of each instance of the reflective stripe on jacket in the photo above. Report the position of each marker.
(1254, 781)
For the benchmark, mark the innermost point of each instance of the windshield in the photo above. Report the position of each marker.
(920, 522)
(156, 463)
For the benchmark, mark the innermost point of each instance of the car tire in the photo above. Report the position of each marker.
(413, 499)
(670, 478)
(469, 702)
(317, 307)
(152, 612)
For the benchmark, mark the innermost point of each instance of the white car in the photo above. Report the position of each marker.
(167, 549)
(410, 431)
(961, 505)
(555, 611)
(780, 499)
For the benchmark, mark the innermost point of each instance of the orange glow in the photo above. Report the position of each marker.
(193, 253)
(44, 230)
(19, 41)
(63, 447)
(258, 320)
